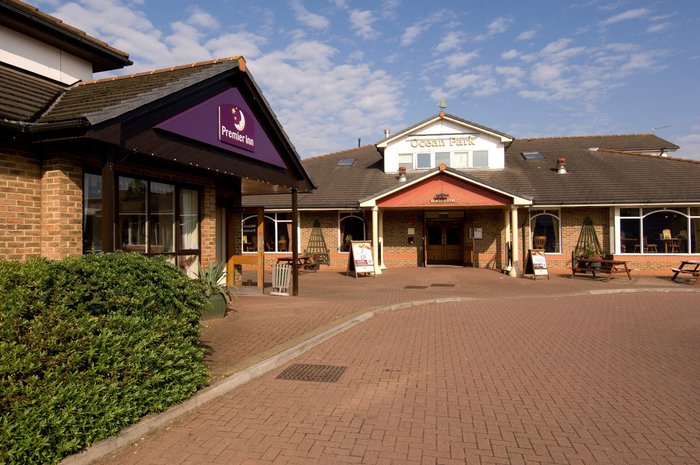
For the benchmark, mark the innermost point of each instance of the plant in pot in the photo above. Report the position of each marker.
(219, 294)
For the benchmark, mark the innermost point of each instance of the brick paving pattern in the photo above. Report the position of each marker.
(565, 371)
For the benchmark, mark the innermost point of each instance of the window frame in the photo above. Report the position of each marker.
(691, 214)
(344, 215)
(179, 255)
(276, 222)
(554, 213)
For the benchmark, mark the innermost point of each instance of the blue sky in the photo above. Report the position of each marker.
(338, 70)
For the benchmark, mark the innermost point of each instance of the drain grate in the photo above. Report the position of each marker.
(321, 373)
(415, 287)
(442, 285)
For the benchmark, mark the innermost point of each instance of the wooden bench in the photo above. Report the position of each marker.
(608, 267)
(693, 269)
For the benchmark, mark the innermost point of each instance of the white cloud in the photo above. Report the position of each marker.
(412, 32)
(320, 101)
(308, 18)
(510, 54)
(201, 18)
(634, 13)
(236, 43)
(689, 145)
(658, 27)
(362, 21)
(450, 41)
(526, 35)
(457, 60)
(497, 26)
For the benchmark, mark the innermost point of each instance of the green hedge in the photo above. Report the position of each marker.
(89, 345)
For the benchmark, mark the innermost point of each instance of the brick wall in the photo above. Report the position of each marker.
(41, 203)
(20, 205)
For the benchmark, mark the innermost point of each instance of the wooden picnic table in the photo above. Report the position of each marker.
(305, 262)
(691, 267)
(582, 265)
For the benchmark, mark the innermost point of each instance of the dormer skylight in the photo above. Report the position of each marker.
(532, 155)
(346, 162)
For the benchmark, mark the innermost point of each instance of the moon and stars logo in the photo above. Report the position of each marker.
(238, 119)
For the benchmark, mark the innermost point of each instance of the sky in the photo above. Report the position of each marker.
(336, 72)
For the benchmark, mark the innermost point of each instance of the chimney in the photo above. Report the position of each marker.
(561, 165)
(402, 174)
(387, 133)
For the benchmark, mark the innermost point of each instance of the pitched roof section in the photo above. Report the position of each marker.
(25, 95)
(32, 22)
(598, 177)
(602, 177)
(444, 116)
(104, 99)
(622, 142)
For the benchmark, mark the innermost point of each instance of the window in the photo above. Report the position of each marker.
(278, 233)
(92, 213)
(422, 161)
(660, 230)
(351, 227)
(146, 213)
(546, 223)
(406, 161)
(442, 157)
(480, 159)
(346, 162)
(460, 160)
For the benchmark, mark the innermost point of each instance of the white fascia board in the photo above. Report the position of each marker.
(478, 129)
(402, 134)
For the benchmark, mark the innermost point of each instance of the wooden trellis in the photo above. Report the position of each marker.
(588, 243)
(317, 245)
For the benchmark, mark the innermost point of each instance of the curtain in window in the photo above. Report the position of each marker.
(189, 219)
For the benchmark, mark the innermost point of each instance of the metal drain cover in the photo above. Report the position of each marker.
(415, 287)
(442, 285)
(321, 373)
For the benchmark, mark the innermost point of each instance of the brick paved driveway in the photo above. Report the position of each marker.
(579, 379)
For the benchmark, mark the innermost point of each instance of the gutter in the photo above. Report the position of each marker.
(24, 127)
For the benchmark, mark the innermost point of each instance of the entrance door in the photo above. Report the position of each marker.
(444, 243)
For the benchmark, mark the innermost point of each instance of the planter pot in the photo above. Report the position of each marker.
(217, 310)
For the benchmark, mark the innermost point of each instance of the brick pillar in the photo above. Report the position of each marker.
(208, 232)
(61, 208)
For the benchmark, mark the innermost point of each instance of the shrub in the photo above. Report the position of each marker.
(89, 345)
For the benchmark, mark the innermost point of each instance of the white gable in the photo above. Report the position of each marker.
(38, 57)
(444, 140)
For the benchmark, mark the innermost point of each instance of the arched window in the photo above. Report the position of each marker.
(546, 223)
(351, 227)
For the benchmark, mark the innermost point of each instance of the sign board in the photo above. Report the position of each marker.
(360, 259)
(536, 264)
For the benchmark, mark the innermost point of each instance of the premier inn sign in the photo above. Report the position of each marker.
(235, 128)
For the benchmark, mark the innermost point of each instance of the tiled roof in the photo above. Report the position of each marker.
(594, 177)
(103, 99)
(25, 95)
